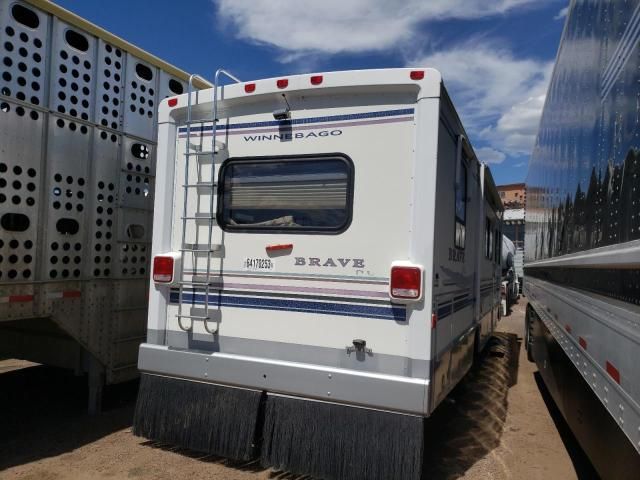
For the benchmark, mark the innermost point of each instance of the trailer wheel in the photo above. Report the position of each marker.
(528, 334)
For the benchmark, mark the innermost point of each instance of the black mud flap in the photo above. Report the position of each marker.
(337, 442)
(198, 416)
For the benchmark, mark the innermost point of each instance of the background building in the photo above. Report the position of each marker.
(513, 195)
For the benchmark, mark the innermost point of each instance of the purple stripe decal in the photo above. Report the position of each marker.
(295, 128)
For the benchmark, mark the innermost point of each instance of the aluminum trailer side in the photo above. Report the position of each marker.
(582, 240)
(77, 164)
(326, 263)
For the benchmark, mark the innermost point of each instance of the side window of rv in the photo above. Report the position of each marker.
(488, 240)
(461, 209)
(292, 194)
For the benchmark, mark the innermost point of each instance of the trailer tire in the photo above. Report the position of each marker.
(528, 334)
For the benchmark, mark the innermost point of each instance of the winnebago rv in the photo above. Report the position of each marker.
(325, 265)
(77, 164)
(582, 237)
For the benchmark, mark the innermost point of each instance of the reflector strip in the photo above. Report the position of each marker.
(64, 294)
(16, 299)
(583, 342)
(275, 248)
(613, 372)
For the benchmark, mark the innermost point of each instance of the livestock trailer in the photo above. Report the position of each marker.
(326, 265)
(77, 164)
(582, 239)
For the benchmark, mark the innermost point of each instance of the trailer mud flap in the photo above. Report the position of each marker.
(198, 416)
(338, 442)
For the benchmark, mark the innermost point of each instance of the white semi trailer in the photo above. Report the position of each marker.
(77, 164)
(326, 266)
(582, 239)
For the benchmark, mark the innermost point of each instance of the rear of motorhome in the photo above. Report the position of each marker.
(326, 263)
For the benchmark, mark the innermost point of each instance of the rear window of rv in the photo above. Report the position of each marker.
(292, 194)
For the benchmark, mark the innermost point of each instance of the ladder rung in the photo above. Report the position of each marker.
(200, 185)
(208, 247)
(193, 317)
(199, 217)
(200, 153)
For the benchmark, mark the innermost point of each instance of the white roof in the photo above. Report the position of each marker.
(514, 214)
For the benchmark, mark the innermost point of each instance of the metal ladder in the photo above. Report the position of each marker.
(204, 282)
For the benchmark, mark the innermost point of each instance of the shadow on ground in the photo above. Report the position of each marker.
(43, 413)
(581, 463)
(469, 423)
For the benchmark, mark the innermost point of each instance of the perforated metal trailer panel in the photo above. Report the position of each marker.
(77, 165)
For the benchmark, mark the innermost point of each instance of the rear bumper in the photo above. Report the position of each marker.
(365, 389)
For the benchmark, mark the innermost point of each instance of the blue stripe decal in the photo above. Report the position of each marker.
(445, 310)
(303, 121)
(395, 312)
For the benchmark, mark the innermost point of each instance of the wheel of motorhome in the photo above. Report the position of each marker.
(325, 254)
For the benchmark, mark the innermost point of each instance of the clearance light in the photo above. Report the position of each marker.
(249, 87)
(282, 83)
(163, 269)
(280, 247)
(416, 74)
(316, 79)
(406, 282)
(173, 101)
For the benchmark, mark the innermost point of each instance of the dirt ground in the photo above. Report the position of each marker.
(499, 423)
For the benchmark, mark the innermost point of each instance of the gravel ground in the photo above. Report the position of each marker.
(499, 423)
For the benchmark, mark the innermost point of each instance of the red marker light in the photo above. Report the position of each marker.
(282, 83)
(416, 74)
(613, 372)
(173, 101)
(249, 87)
(316, 79)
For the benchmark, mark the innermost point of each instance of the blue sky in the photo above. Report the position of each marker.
(496, 56)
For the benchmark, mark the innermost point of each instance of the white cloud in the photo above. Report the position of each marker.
(490, 155)
(498, 96)
(336, 26)
(520, 165)
(562, 14)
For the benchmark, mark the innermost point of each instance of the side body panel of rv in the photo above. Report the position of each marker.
(288, 291)
(582, 237)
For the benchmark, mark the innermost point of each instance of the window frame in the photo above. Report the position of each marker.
(279, 159)
(457, 220)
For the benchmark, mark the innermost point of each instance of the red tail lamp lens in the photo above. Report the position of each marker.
(316, 80)
(163, 269)
(249, 87)
(282, 83)
(406, 282)
(417, 75)
(173, 102)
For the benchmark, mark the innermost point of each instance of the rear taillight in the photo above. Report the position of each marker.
(163, 269)
(172, 102)
(406, 282)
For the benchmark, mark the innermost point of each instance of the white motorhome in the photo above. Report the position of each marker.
(326, 264)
